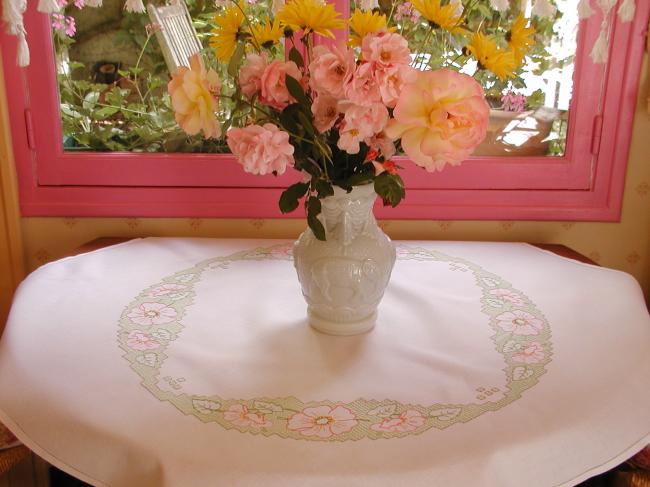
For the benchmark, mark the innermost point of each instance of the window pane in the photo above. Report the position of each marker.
(529, 111)
(112, 76)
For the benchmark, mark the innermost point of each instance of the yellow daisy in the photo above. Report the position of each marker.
(266, 34)
(364, 23)
(228, 32)
(489, 56)
(310, 16)
(520, 38)
(440, 16)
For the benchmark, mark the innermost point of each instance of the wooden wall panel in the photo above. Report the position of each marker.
(11, 253)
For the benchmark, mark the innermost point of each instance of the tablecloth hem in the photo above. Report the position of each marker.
(617, 460)
(45, 455)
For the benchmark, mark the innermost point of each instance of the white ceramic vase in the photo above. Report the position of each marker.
(343, 278)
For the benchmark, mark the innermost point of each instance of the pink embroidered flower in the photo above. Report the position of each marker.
(193, 91)
(440, 117)
(507, 295)
(533, 353)
(274, 90)
(166, 290)
(363, 89)
(239, 415)
(138, 340)
(152, 314)
(250, 74)
(391, 81)
(408, 420)
(519, 322)
(322, 421)
(331, 69)
(386, 50)
(261, 149)
(325, 110)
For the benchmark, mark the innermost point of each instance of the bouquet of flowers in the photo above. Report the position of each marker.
(340, 112)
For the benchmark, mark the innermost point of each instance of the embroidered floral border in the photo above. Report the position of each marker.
(154, 320)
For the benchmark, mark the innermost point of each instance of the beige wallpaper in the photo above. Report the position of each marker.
(624, 245)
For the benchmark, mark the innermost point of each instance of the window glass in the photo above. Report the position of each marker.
(113, 75)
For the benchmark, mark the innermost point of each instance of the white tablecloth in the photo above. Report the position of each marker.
(189, 362)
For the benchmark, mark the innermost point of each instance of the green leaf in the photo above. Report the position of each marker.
(290, 196)
(390, 187)
(323, 188)
(294, 55)
(72, 65)
(104, 112)
(235, 60)
(295, 90)
(313, 210)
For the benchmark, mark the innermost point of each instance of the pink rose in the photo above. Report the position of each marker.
(370, 119)
(441, 117)
(386, 50)
(250, 74)
(363, 89)
(382, 144)
(360, 123)
(192, 92)
(331, 69)
(261, 149)
(391, 81)
(325, 110)
(273, 83)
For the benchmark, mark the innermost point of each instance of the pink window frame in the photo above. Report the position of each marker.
(586, 184)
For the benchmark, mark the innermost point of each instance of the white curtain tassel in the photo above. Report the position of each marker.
(626, 10)
(600, 52)
(48, 6)
(584, 9)
(23, 51)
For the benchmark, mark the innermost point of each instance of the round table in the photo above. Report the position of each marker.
(179, 362)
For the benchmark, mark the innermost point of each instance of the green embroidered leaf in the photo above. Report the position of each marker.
(521, 373)
(290, 196)
(445, 414)
(206, 406)
(266, 407)
(384, 411)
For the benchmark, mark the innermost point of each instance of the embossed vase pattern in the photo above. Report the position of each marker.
(343, 278)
